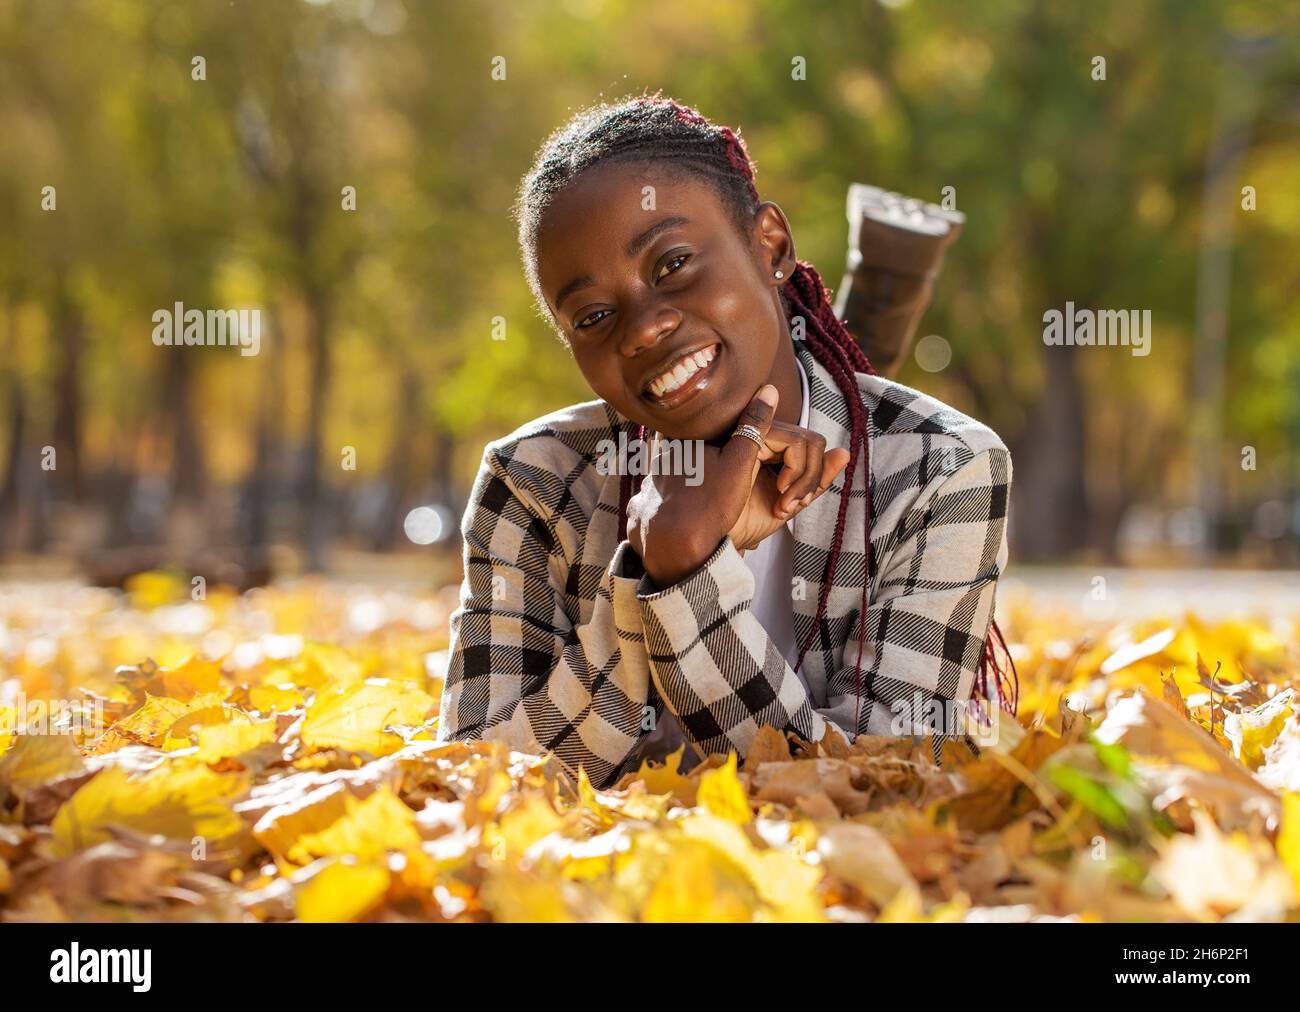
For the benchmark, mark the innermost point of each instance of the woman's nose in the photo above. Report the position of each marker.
(649, 327)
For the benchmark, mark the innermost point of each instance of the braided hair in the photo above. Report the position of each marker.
(652, 128)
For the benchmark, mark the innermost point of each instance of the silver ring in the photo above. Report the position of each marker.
(750, 433)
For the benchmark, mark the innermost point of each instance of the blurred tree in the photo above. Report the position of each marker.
(380, 320)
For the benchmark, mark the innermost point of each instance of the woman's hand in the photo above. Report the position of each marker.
(675, 527)
(807, 470)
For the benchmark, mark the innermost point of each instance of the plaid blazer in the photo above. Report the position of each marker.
(560, 642)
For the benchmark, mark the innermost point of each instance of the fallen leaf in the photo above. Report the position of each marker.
(367, 830)
(179, 801)
(355, 717)
(769, 745)
(341, 891)
(722, 793)
(861, 856)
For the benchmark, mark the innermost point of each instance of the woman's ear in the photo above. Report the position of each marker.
(773, 242)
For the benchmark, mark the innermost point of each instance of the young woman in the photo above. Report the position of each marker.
(833, 563)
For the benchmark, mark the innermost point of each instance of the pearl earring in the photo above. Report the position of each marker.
(780, 275)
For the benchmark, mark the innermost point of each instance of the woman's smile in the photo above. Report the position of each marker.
(685, 375)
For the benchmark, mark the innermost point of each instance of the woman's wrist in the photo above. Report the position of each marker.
(686, 560)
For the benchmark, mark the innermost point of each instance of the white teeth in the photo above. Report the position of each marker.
(683, 370)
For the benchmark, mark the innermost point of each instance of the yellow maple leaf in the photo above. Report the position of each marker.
(518, 829)
(37, 759)
(722, 793)
(514, 896)
(280, 698)
(153, 722)
(233, 738)
(306, 802)
(342, 891)
(693, 885)
(1255, 729)
(609, 807)
(321, 666)
(354, 718)
(668, 779)
(784, 881)
(196, 677)
(180, 800)
(367, 830)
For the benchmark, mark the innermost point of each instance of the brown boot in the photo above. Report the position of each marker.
(896, 247)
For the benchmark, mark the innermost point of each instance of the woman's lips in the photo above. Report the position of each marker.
(693, 384)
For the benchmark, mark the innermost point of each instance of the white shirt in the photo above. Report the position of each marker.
(772, 563)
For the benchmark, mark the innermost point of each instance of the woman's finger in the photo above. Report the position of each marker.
(782, 434)
(833, 462)
(739, 460)
(794, 461)
(741, 454)
(804, 489)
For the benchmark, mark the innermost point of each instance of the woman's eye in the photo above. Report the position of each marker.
(675, 264)
(592, 319)
(672, 266)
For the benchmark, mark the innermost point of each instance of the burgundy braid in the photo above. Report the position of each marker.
(830, 344)
(834, 347)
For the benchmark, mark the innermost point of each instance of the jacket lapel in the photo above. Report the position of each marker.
(814, 532)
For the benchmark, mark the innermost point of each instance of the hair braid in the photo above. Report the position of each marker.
(653, 128)
(808, 298)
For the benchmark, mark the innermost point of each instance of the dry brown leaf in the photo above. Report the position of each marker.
(785, 783)
(862, 857)
(997, 793)
(769, 745)
(1173, 696)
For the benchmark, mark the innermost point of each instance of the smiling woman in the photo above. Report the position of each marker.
(833, 572)
(687, 272)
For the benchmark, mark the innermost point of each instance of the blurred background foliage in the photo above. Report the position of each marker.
(377, 323)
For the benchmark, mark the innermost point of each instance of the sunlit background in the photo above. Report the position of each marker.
(220, 182)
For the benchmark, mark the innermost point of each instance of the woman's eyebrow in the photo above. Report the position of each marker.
(648, 236)
(632, 249)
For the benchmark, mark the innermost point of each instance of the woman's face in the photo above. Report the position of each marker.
(673, 317)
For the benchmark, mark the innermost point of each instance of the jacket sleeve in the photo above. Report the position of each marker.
(722, 676)
(520, 672)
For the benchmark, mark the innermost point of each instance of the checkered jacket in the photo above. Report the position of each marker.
(561, 642)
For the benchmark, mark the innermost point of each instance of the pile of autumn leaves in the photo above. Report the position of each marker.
(271, 756)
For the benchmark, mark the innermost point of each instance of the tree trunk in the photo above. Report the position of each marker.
(400, 469)
(189, 481)
(1050, 517)
(70, 333)
(314, 520)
